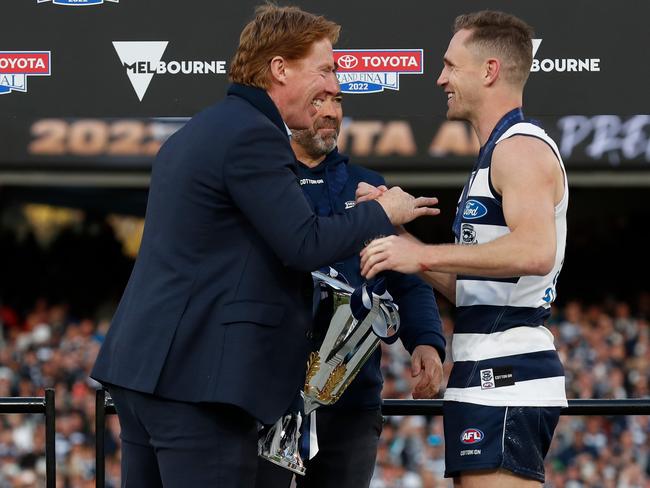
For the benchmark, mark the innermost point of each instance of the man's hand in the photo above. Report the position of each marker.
(426, 365)
(366, 192)
(402, 207)
(401, 231)
(397, 253)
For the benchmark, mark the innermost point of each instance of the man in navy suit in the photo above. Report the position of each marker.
(211, 335)
(348, 431)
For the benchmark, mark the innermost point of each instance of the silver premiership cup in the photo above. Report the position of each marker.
(362, 317)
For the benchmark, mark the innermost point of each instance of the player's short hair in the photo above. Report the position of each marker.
(277, 31)
(503, 36)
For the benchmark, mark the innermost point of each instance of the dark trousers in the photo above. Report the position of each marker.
(180, 445)
(347, 442)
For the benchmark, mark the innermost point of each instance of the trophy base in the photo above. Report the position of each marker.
(286, 464)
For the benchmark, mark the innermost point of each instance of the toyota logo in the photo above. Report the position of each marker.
(348, 61)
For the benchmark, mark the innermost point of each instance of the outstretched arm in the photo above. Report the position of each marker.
(527, 174)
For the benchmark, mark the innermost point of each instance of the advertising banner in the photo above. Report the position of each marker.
(88, 83)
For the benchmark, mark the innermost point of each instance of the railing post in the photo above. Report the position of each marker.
(100, 436)
(50, 432)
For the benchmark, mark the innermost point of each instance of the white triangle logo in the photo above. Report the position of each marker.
(536, 44)
(131, 52)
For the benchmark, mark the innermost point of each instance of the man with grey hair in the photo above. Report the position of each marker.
(348, 431)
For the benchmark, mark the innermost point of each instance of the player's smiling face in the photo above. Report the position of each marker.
(461, 77)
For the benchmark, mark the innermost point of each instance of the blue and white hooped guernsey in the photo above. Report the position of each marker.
(503, 355)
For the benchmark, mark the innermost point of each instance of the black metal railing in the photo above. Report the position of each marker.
(576, 407)
(105, 406)
(42, 405)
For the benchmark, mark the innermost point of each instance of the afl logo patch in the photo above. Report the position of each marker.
(471, 436)
(474, 210)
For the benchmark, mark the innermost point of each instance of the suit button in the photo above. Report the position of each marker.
(309, 334)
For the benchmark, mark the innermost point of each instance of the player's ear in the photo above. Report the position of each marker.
(492, 69)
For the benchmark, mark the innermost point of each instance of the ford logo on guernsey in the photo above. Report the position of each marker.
(471, 436)
(474, 210)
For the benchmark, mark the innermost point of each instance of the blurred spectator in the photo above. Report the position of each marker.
(48, 349)
(605, 349)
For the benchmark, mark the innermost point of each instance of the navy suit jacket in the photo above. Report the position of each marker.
(218, 306)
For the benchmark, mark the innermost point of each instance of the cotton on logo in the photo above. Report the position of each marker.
(348, 61)
(562, 64)
(471, 436)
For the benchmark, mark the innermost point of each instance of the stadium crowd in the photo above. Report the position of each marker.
(605, 348)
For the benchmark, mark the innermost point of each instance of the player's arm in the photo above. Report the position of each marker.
(527, 174)
(443, 283)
